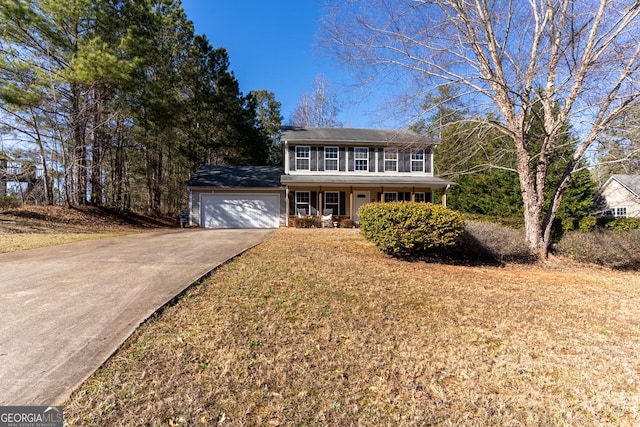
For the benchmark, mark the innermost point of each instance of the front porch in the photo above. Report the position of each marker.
(343, 202)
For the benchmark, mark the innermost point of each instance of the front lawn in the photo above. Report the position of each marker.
(316, 327)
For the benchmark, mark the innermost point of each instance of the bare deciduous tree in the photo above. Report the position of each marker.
(320, 109)
(578, 58)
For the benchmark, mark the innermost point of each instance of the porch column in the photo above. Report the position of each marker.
(351, 203)
(287, 195)
(444, 195)
(320, 202)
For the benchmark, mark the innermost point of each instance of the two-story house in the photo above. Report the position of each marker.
(335, 169)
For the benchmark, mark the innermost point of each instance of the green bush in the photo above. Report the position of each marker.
(623, 224)
(615, 224)
(8, 202)
(410, 229)
(588, 223)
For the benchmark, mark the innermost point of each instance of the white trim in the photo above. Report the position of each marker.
(308, 159)
(384, 159)
(337, 159)
(355, 159)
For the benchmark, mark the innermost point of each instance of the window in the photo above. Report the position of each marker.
(390, 197)
(419, 197)
(332, 201)
(302, 201)
(417, 161)
(361, 159)
(391, 160)
(303, 157)
(616, 212)
(331, 158)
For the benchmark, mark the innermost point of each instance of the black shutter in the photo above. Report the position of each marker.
(379, 197)
(427, 160)
(320, 159)
(404, 161)
(372, 160)
(351, 159)
(380, 160)
(342, 162)
(292, 203)
(314, 203)
(292, 158)
(343, 204)
(313, 159)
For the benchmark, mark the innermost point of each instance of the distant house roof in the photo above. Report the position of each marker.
(236, 177)
(347, 135)
(630, 182)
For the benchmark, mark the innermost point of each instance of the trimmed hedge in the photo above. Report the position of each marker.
(410, 229)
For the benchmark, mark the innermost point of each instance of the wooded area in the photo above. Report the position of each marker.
(118, 102)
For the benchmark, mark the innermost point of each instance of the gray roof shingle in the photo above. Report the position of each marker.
(347, 135)
(236, 177)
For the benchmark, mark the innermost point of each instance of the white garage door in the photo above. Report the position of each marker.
(241, 211)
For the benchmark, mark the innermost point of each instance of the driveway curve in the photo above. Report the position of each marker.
(65, 309)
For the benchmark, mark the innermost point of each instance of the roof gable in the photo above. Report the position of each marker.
(350, 135)
(630, 182)
(236, 177)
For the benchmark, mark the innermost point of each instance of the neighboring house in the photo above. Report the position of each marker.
(325, 169)
(619, 196)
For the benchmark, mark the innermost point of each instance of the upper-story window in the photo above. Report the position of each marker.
(361, 159)
(391, 160)
(417, 161)
(303, 158)
(331, 158)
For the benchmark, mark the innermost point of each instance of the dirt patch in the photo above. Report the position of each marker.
(83, 219)
(34, 226)
(317, 327)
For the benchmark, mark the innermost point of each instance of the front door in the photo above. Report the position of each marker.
(361, 198)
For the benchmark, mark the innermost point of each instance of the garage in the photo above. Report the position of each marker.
(240, 211)
(237, 197)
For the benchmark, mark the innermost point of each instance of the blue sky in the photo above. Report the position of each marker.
(272, 45)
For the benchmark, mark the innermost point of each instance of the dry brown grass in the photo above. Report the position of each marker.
(316, 327)
(35, 226)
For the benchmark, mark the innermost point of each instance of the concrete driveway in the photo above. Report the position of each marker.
(65, 309)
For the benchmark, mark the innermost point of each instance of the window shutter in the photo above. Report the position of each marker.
(292, 202)
(351, 159)
(372, 160)
(380, 159)
(314, 202)
(404, 161)
(313, 159)
(342, 158)
(320, 159)
(427, 160)
(379, 197)
(343, 203)
(292, 158)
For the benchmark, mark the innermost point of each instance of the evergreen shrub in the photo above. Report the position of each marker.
(411, 229)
